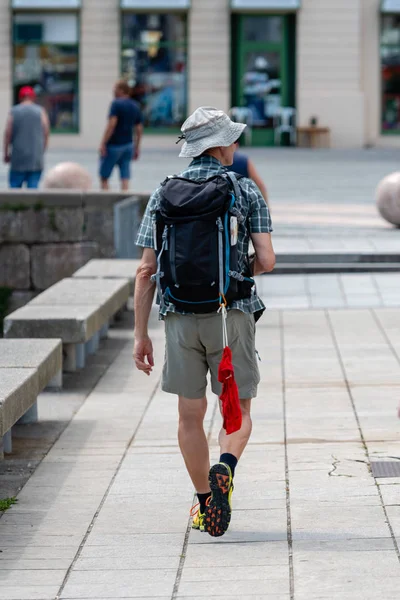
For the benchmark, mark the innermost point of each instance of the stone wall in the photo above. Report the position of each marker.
(47, 235)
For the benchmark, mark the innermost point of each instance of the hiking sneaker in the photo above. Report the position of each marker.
(198, 517)
(219, 509)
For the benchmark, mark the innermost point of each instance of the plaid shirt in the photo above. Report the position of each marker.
(251, 205)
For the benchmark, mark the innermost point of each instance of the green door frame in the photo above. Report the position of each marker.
(261, 136)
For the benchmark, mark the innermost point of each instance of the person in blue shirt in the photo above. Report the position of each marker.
(242, 165)
(121, 140)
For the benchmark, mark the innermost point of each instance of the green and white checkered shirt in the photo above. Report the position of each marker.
(251, 205)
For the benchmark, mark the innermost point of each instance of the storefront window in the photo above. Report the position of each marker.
(262, 85)
(154, 64)
(46, 57)
(390, 73)
(261, 28)
(258, 58)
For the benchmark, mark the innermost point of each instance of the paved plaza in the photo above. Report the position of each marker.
(105, 515)
(348, 290)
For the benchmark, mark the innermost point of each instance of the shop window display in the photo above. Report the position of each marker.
(262, 86)
(390, 73)
(258, 53)
(263, 28)
(46, 57)
(154, 64)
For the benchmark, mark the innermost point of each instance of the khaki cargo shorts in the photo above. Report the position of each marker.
(194, 347)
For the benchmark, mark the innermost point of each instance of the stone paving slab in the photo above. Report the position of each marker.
(241, 596)
(309, 520)
(115, 584)
(348, 290)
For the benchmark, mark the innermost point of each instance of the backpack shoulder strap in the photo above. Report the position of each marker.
(168, 177)
(233, 178)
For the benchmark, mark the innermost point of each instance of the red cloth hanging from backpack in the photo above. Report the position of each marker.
(231, 410)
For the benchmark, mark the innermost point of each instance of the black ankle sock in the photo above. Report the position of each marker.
(229, 460)
(203, 499)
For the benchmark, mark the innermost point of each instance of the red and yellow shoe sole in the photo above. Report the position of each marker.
(218, 511)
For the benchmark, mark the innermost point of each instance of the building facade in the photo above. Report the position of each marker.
(335, 62)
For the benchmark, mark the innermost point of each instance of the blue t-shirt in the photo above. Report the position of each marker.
(240, 164)
(128, 115)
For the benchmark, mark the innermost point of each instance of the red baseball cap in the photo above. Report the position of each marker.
(26, 92)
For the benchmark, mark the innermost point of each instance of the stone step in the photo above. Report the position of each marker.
(290, 268)
(339, 256)
(340, 261)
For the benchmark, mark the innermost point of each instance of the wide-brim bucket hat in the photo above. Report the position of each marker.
(208, 128)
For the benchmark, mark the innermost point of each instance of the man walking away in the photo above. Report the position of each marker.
(121, 140)
(195, 234)
(25, 140)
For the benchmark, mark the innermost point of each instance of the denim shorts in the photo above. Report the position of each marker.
(18, 178)
(120, 156)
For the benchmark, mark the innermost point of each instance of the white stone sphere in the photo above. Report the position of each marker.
(388, 198)
(68, 176)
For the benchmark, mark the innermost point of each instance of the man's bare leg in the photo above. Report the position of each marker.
(124, 185)
(235, 443)
(104, 184)
(218, 510)
(193, 441)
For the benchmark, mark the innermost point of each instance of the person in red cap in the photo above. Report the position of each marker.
(25, 140)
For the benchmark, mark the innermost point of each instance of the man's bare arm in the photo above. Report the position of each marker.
(7, 139)
(264, 253)
(137, 136)
(46, 128)
(111, 125)
(144, 296)
(254, 175)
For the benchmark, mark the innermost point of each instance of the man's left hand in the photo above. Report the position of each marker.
(143, 350)
(136, 154)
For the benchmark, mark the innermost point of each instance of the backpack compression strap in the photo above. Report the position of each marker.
(156, 278)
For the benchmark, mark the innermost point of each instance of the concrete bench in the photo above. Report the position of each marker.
(26, 367)
(110, 268)
(76, 310)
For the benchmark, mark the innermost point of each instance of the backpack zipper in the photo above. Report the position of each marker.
(221, 255)
(172, 261)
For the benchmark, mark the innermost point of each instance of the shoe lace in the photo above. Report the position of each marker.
(195, 510)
